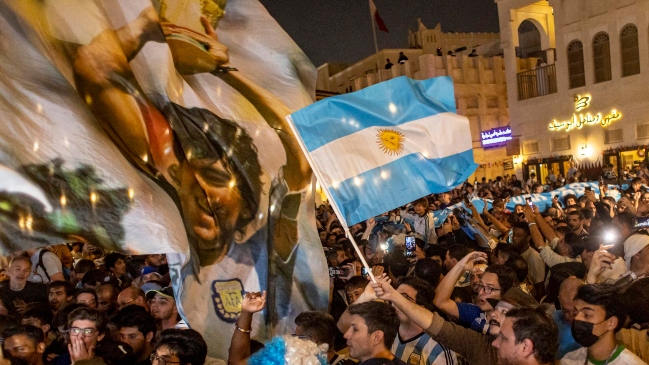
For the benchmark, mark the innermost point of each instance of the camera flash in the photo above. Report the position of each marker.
(610, 236)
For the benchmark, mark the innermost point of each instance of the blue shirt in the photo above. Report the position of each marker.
(566, 342)
(473, 317)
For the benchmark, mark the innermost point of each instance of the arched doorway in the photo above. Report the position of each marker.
(529, 41)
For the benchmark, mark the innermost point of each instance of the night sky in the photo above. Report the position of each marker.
(340, 30)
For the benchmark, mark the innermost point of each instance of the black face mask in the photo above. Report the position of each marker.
(583, 334)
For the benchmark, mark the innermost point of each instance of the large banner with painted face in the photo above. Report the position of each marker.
(159, 127)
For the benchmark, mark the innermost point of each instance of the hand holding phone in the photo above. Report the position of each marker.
(411, 246)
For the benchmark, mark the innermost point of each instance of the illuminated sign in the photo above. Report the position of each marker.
(496, 137)
(579, 120)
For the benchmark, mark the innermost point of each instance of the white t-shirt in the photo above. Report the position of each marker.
(51, 263)
(621, 356)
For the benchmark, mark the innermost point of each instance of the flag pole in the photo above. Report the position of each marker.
(376, 44)
(332, 202)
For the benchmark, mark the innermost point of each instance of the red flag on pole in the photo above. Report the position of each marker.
(377, 17)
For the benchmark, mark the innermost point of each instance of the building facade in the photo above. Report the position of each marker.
(577, 73)
(480, 88)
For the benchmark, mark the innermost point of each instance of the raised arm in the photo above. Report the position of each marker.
(444, 291)
(545, 229)
(240, 345)
(498, 224)
(367, 296)
(535, 233)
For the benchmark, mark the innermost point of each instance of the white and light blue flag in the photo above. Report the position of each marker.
(386, 145)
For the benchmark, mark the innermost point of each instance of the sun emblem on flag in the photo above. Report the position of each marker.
(390, 141)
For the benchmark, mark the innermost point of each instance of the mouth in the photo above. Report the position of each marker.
(494, 323)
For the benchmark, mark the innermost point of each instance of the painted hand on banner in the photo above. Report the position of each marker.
(253, 302)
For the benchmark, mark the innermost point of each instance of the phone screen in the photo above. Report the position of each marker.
(411, 246)
(529, 201)
(364, 271)
(641, 222)
(588, 188)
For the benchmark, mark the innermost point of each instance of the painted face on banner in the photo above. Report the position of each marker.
(211, 205)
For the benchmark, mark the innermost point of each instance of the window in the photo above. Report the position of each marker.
(576, 64)
(561, 143)
(472, 103)
(530, 147)
(613, 136)
(492, 102)
(642, 131)
(602, 57)
(630, 50)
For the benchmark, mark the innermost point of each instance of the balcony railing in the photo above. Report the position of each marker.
(537, 82)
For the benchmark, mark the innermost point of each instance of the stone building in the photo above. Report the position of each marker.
(577, 73)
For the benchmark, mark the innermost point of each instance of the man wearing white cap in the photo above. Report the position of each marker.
(636, 256)
(163, 307)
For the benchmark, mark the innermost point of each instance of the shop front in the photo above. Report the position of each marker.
(542, 167)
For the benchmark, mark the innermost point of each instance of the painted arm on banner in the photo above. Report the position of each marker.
(240, 344)
(368, 295)
(444, 291)
(105, 80)
(297, 172)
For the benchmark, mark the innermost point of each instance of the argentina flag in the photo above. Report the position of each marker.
(386, 145)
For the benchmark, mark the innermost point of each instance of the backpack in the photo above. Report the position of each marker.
(40, 264)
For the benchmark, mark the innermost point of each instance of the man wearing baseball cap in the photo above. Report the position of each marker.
(150, 273)
(476, 348)
(163, 307)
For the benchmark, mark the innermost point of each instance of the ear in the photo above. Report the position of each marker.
(40, 348)
(612, 323)
(69, 298)
(377, 337)
(100, 337)
(45, 328)
(527, 348)
(149, 337)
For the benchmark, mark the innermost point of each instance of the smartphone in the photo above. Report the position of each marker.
(529, 201)
(411, 246)
(337, 271)
(364, 271)
(641, 222)
(588, 188)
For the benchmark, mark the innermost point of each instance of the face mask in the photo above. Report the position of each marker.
(582, 332)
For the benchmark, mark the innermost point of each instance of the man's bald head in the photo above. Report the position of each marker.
(567, 292)
(131, 295)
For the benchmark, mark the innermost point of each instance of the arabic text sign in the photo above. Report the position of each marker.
(496, 137)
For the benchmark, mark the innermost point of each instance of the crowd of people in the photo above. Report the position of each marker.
(566, 285)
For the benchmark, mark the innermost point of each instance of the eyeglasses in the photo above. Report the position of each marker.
(76, 331)
(153, 357)
(487, 289)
